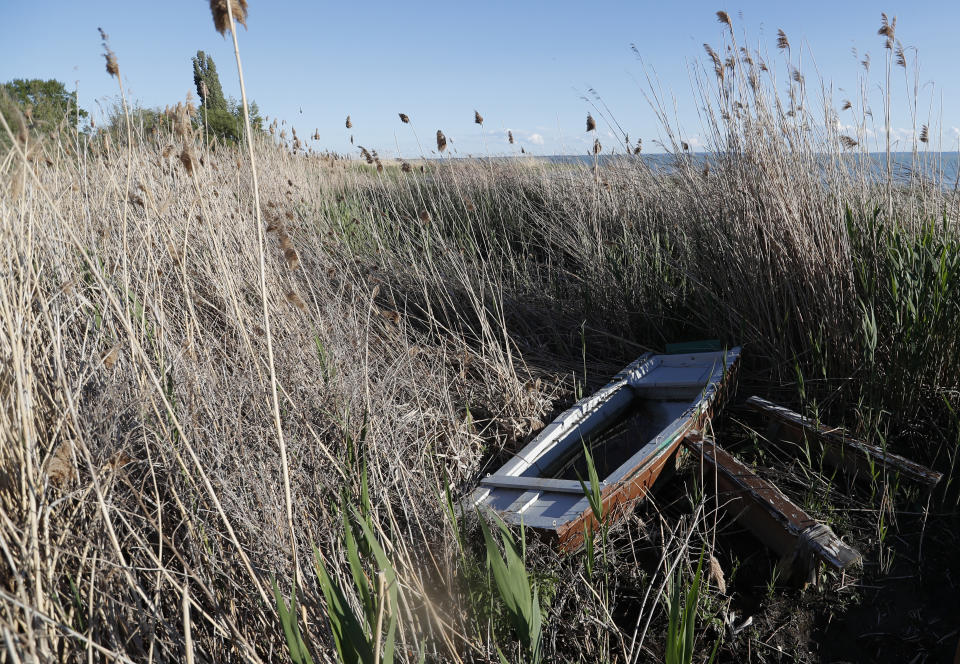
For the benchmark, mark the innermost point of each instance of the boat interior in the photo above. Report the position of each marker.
(643, 410)
(646, 404)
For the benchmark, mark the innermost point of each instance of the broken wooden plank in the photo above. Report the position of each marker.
(767, 512)
(852, 455)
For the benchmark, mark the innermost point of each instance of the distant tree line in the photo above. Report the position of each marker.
(46, 107)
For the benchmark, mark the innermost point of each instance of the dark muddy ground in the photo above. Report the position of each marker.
(901, 605)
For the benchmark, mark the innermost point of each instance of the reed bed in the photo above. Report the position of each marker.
(185, 428)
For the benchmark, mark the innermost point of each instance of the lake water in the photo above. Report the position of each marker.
(931, 165)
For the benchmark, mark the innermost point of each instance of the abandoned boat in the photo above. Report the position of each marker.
(632, 427)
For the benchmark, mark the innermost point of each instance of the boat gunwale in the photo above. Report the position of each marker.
(647, 457)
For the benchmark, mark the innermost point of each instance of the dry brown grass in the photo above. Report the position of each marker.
(170, 373)
(423, 326)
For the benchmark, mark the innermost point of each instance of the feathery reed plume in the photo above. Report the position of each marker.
(390, 315)
(292, 258)
(924, 134)
(404, 118)
(639, 148)
(523, 150)
(441, 141)
(181, 117)
(846, 105)
(716, 575)
(477, 118)
(887, 29)
(591, 123)
(188, 160)
(684, 145)
(316, 134)
(717, 64)
(296, 300)
(797, 76)
(366, 154)
(22, 133)
(510, 137)
(782, 42)
(405, 167)
(112, 67)
(848, 142)
(596, 146)
(348, 123)
(866, 61)
(901, 56)
(221, 17)
(723, 17)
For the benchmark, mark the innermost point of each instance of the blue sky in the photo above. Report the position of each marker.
(524, 65)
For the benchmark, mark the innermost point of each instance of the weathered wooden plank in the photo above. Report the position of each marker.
(852, 455)
(776, 520)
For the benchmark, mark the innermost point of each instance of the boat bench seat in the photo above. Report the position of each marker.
(671, 380)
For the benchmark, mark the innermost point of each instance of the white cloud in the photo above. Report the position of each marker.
(536, 139)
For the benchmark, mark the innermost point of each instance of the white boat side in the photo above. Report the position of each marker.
(678, 388)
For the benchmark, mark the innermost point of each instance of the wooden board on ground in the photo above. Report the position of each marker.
(777, 521)
(841, 451)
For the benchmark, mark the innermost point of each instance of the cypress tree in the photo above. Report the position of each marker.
(208, 82)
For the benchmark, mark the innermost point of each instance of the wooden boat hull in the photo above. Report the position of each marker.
(649, 406)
